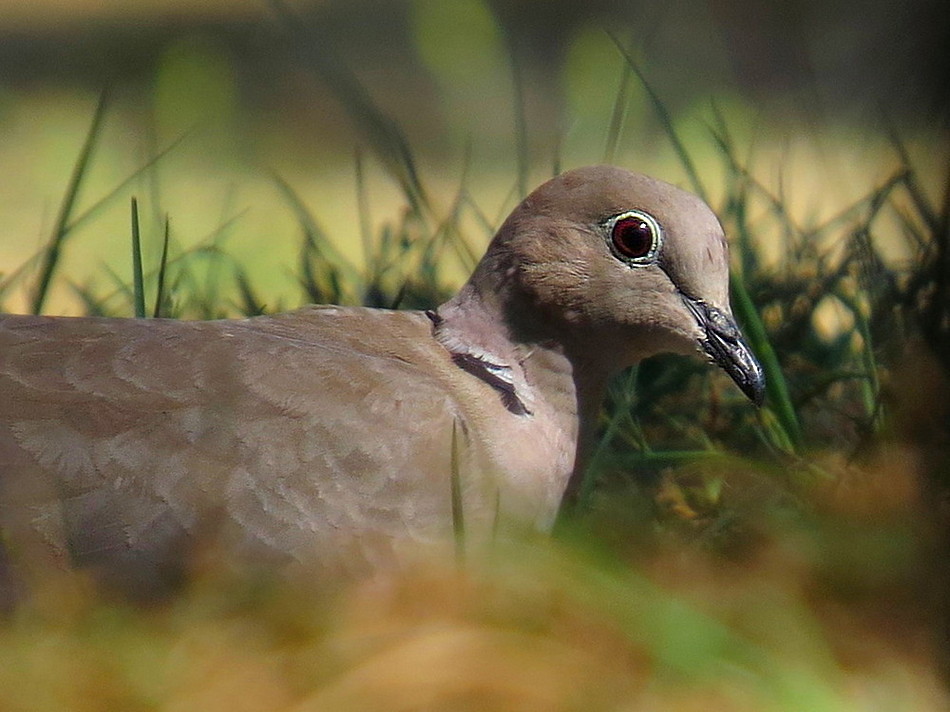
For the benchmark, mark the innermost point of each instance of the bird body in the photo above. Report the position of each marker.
(294, 435)
(335, 435)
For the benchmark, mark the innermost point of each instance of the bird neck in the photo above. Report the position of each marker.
(481, 329)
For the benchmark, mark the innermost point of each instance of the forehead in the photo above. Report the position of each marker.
(694, 251)
(591, 195)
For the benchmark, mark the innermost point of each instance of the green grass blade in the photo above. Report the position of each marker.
(321, 242)
(665, 118)
(162, 271)
(458, 513)
(124, 183)
(463, 250)
(92, 305)
(522, 149)
(875, 198)
(926, 211)
(250, 304)
(138, 283)
(22, 272)
(366, 230)
(62, 227)
(384, 134)
(617, 115)
(667, 458)
(776, 386)
(621, 413)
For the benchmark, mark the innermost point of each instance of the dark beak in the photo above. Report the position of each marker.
(723, 343)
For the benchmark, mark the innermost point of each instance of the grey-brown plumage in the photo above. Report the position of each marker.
(325, 435)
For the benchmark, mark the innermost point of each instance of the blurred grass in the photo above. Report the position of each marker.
(723, 558)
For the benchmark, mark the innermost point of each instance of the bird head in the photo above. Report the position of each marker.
(620, 266)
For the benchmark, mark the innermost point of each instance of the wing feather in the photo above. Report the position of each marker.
(289, 433)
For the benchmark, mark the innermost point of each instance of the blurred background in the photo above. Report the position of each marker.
(363, 151)
(501, 92)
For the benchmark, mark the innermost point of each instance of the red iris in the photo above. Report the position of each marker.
(633, 237)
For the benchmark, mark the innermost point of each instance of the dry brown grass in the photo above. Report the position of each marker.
(829, 613)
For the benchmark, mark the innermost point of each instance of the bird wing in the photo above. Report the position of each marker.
(122, 440)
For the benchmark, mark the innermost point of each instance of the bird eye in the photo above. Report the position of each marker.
(635, 235)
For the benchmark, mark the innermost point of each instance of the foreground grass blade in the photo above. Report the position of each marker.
(776, 387)
(138, 283)
(62, 227)
(160, 288)
(458, 513)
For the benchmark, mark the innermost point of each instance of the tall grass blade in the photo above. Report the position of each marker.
(138, 282)
(21, 272)
(665, 118)
(875, 198)
(92, 305)
(936, 315)
(776, 386)
(62, 227)
(458, 513)
(447, 235)
(366, 230)
(124, 183)
(321, 242)
(162, 271)
(870, 384)
(383, 132)
(250, 304)
(625, 395)
(400, 295)
(921, 203)
(746, 183)
(617, 115)
(469, 257)
(521, 120)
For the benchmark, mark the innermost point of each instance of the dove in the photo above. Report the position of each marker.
(335, 436)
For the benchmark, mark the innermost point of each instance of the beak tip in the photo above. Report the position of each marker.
(748, 375)
(755, 391)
